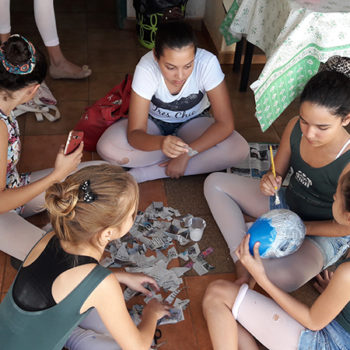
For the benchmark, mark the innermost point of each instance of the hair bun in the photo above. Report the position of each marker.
(16, 51)
(61, 200)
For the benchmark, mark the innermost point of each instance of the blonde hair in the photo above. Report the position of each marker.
(76, 220)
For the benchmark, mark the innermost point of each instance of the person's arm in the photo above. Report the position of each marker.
(326, 307)
(109, 302)
(136, 281)
(224, 121)
(138, 137)
(328, 228)
(15, 197)
(282, 160)
(218, 131)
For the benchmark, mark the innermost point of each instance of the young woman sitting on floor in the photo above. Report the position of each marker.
(170, 131)
(316, 146)
(235, 314)
(61, 283)
(22, 69)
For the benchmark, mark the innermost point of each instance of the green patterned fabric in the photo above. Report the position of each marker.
(295, 39)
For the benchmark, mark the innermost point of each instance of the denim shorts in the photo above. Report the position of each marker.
(331, 337)
(332, 248)
(172, 128)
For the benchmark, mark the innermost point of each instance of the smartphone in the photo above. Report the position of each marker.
(73, 141)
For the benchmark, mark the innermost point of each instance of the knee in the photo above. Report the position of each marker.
(211, 183)
(109, 152)
(234, 148)
(219, 292)
(240, 147)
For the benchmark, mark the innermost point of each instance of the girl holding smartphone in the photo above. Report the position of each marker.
(22, 69)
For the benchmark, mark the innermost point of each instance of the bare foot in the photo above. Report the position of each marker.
(68, 70)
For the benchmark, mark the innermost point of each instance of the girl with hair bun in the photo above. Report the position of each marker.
(22, 69)
(61, 283)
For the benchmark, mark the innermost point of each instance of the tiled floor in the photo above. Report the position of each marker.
(88, 34)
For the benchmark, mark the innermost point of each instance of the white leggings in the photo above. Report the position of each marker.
(113, 146)
(44, 14)
(91, 334)
(17, 235)
(228, 197)
(266, 320)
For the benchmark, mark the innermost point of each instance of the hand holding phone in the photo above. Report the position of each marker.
(73, 141)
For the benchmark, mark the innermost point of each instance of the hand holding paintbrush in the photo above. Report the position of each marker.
(270, 182)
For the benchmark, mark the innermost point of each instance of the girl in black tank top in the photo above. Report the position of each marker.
(61, 283)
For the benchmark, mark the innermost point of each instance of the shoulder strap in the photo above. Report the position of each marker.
(342, 149)
(87, 285)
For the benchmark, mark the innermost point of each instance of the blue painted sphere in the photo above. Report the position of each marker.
(280, 233)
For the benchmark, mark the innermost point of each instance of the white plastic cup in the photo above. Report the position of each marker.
(196, 227)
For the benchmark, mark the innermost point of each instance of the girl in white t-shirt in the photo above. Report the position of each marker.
(170, 132)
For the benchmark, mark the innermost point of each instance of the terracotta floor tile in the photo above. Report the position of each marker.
(75, 21)
(107, 61)
(70, 90)
(196, 287)
(116, 39)
(254, 134)
(70, 110)
(100, 20)
(151, 191)
(2, 268)
(39, 152)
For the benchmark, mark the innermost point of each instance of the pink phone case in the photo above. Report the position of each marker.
(73, 141)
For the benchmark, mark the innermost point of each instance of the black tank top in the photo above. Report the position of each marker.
(33, 285)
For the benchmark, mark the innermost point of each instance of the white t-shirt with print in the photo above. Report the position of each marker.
(148, 82)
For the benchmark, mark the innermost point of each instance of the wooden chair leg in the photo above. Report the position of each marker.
(249, 50)
(120, 13)
(238, 56)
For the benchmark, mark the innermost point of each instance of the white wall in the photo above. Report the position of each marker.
(194, 8)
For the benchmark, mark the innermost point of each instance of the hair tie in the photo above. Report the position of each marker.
(25, 68)
(89, 196)
(337, 63)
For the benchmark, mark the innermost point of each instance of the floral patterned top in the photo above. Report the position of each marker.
(13, 178)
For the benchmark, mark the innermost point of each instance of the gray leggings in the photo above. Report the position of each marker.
(113, 146)
(228, 197)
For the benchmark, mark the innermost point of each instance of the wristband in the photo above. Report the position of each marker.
(191, 152)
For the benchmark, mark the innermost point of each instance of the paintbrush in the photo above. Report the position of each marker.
(277, 199)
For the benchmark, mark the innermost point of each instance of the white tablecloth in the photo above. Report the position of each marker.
(296, 35)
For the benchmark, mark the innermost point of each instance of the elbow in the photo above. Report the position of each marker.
(314, 325)
(130, 137)
(230, 127)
